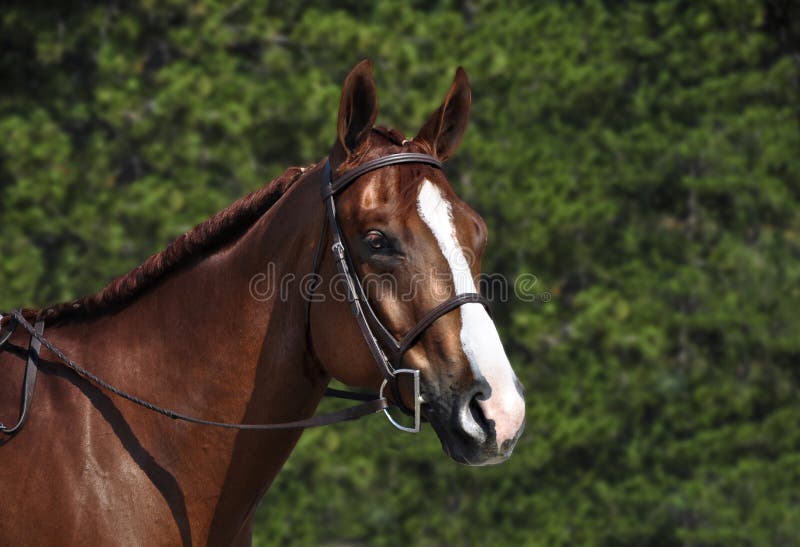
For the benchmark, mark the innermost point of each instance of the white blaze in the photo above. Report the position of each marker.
(479, 338)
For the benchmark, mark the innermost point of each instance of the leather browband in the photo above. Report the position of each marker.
(338, 184)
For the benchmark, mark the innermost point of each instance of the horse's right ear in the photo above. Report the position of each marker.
(358, 108)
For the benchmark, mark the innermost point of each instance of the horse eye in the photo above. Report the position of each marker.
(376, 240)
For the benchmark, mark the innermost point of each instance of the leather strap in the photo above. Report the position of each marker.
(351, 413)
(31, 368)
(12, 325)
(442, 309)
(351, 395)
(354, 295)
(338, 184)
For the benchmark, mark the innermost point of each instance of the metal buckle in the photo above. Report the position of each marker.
(338, 250)
(417, 401)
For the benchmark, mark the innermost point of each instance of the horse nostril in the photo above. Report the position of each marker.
(477, 412)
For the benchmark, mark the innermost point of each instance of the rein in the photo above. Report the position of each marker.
(386, 350)
(370, 406)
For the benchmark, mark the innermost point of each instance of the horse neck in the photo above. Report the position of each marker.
(288, 382)
(208, 341)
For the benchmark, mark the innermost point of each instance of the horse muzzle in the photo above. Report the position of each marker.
(468, 428)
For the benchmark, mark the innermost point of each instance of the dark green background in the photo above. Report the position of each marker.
(639, 158)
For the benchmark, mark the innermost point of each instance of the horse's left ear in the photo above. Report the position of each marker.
(445, 128)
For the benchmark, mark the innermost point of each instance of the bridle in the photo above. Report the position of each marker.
(386, 350)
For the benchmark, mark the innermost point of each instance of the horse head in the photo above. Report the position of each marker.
(414, 244)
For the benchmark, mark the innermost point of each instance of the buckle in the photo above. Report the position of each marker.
(417, 401)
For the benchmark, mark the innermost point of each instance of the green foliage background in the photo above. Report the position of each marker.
(640, 158)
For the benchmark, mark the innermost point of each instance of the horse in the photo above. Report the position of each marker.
(188, 329)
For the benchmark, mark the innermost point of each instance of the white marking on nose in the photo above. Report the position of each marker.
(479, 338)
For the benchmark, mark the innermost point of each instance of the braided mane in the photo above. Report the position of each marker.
(208, 236)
